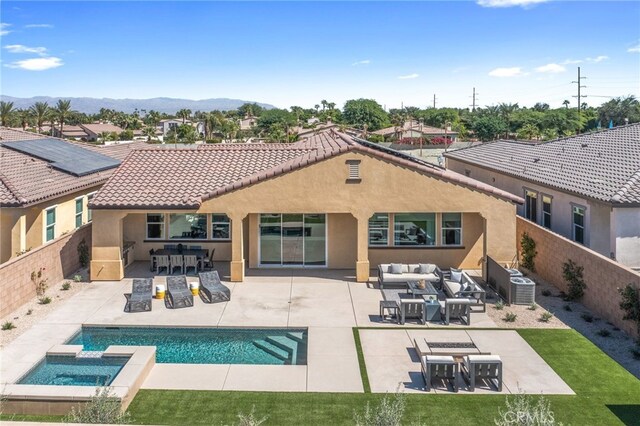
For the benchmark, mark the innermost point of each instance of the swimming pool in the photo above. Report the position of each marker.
(183, 345)
(74, 371)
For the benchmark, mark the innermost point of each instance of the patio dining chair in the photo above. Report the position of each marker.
(162, 262)
(152, 260)
(178, 294)
(169, 246)
(190, 261)
(176, 261)
(207, 263)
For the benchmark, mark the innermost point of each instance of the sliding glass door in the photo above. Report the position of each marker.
(293, 240)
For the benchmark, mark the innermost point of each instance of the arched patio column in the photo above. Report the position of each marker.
(237, 247)
(362, 258)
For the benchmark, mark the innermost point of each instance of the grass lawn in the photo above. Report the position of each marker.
(606, 395)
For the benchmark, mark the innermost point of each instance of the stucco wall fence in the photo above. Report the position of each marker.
(602, 275)
(59, 258)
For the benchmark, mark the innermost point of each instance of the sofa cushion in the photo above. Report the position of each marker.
(395, 268)
(388, 277)
(426, 268)
(452, 287)
(456, 275)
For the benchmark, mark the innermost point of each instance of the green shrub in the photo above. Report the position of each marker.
(529, 253)
(523, 410)
(587, 317)
(44, 300)
(630, 304)
(39, 282)
(546, 316)
(532, 307)
(66, 285)
(388, 413)
(510, 317)
(77, 278)
(603, 332)
(499, 305)
(546, 292)
(250, 419)
(102, 408)
(8, 325)
(83, 253)
(572, 274)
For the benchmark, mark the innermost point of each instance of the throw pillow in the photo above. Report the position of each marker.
(395, 268)
(456, 275)
(423, 268)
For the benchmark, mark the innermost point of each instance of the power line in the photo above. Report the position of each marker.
(580, 86)
(434, 100)
(473, 97)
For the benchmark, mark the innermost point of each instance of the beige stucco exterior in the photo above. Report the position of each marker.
(489, 226)
(23, 228)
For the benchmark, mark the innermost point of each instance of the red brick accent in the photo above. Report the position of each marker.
(602, 275)
(59, 258)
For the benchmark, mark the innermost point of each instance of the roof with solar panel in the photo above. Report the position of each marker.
(35, 168)
(603, 165)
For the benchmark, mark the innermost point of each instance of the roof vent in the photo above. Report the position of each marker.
(584, 145)
(354, 171)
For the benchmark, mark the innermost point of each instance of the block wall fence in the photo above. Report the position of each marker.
(59, 258)
(602, 275)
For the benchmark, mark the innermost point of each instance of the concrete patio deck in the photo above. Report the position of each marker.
(329, 302)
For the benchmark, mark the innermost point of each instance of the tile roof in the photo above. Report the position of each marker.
(98, 128)
(184, 178)
(26, 180)
(603, 165)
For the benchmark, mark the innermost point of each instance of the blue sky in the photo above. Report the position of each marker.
(298, 53)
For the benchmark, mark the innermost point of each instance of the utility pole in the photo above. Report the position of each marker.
(434, 100)
(473, 104)
(580, 86)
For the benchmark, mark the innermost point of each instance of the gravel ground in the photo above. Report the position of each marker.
(613, 341)
(22, 320)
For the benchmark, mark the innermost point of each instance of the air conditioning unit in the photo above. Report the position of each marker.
(523, 291)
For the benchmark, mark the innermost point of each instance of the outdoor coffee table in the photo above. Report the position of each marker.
(428, 290)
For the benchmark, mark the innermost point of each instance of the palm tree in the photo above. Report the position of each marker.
(62, 111)
(566, 103)
(184, 114)
(40, 110)
(397, 120)
(149, 132)
(5, 111)
(24, 118)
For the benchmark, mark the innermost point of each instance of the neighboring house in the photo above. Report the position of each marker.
(413, 129)
(42, 199)
(328, 201)
(586, 187)
(94, 131)
(70, 132)
(173, 123)
(248, 123)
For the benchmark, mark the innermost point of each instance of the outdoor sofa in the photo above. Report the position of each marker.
(397, 274)
(458, 284)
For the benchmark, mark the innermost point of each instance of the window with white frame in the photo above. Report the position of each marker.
(155, 226)
(410, 229)
(190, 226)
(79, 211)
(531, 206)
(451, 229)
(50, 223)
(220, 227)
(578, 224)
(379, 229)
(89, 213)
(546, 211)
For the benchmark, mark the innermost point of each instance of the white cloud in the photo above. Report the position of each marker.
(19, 48)
(551, 68)
(597, 59)
(572, 61)
(38, 26)
(509, 3)
(364, 62)
(506, 72)
(37, 64)
(634, 49)
(408, 76)
(4, 28)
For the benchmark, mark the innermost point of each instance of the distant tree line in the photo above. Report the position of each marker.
(505, 120)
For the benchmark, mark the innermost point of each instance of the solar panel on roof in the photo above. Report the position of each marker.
(65, 156)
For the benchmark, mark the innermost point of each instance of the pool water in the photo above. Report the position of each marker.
(182, 345)
(72, 371)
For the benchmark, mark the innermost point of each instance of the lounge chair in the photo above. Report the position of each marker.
(178, 294)
(191, 261)
(211, 288)
(162, 262)
(484, 367)
(139, 300)
(176, 262)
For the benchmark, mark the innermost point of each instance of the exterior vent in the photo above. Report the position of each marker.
(353, 167)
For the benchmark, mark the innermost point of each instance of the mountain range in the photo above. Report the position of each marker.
(166, 105)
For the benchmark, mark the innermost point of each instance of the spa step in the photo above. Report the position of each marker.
(273, 350)
(285, 343)
(298, 336)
